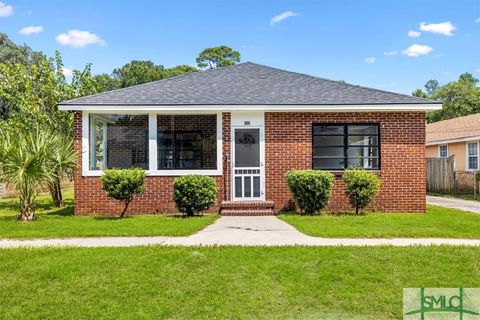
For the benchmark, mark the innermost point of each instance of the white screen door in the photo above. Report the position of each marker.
(247, 164)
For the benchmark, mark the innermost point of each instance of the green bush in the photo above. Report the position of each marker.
(361, 186)
(310, 188)
(123, 184)
(194, 193)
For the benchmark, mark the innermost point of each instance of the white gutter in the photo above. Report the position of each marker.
(270, 108)
(446, 141)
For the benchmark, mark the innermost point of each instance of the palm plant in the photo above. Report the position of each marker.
(63, 161)
(26, 164)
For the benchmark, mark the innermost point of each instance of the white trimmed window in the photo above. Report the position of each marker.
(163, 144)
(443, 151)
(472, 156)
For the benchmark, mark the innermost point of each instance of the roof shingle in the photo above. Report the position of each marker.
(456, 128)
(246, 84)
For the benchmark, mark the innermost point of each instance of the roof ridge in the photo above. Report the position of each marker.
(341, 83)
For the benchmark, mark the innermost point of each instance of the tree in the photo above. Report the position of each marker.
(217, 57)
(123, 185)
(138, 72)
(106, 82)
(459, 98)
(179, 70)
(12, 53)
(26, 164)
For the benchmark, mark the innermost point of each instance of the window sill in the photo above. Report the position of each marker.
(339, 173)
(162, 173)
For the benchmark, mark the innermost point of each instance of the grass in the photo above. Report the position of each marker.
(61, 223)
(437, 222)
(225, 282)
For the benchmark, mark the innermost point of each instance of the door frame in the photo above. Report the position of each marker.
(257, 120)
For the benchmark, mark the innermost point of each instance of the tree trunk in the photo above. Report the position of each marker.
(125, 209)
(56, 193)
(356, 210)
(27, 212)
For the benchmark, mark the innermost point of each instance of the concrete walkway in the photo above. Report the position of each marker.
(241, 231)
(454, 203)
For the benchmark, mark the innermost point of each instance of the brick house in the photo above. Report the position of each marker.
(247, 125)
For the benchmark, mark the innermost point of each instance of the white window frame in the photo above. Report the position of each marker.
(440, 152)
(468, 156)
(152, 145)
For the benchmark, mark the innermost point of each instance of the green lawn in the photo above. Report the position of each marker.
(225, 282)
(54, 222)
(437, 222)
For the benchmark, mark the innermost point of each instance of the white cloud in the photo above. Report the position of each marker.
(477, 20)
(282, 16)
(79, 39)
(31, 30)
(444, 28)
(414, 34)
(67, 72)
(5, 10)
(417, 50)
(437, 56)
(390, 53)
(370, 60)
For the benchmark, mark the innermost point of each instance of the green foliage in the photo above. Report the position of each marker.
(194, 193)
(460, 98)
(28, 159)
(361, 186)
(12, 53)
(310, 188)
(138, 72)
(217, 57)
(123, 184)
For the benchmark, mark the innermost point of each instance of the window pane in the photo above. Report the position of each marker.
(118, 141)
(247, 185)
(443, 151)
(328, 163)
(473, 163)
(327, 140)
(363, 129)
(256, 187)
(328, 152)
(472, 149)
(238, 187)
(187, 142)
(365, 140)
(320, 129)
(247, 148)
(356, 152)
(367, 163)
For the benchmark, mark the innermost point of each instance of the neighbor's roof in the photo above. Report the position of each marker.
(456, 128)
(245, 84)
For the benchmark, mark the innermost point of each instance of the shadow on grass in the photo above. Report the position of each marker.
(332, 214)
(175, 216)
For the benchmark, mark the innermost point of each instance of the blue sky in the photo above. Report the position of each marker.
(361, 42)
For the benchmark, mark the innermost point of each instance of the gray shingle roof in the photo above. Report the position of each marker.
(246, 84)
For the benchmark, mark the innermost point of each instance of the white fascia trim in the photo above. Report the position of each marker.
(270, 108)
(447, 141)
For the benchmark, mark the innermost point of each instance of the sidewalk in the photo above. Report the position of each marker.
(241, 231)
(454, 203)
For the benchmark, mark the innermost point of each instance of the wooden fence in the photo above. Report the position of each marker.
(440, 175)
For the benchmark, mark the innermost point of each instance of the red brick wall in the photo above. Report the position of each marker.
(288, 145)
(90, 198)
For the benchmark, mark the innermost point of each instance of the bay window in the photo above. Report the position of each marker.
(341, 146)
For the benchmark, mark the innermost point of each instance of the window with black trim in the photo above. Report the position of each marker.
(342, 146)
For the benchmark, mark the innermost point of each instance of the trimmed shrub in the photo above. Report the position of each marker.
(310, 188)
(123, 184)
(361, 186)
(194, 193)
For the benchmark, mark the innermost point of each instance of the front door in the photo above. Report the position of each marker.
(247, 164)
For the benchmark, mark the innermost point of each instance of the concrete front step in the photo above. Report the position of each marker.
(247, 208)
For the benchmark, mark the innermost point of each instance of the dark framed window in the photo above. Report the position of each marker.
(342, 146)
(187, 142)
